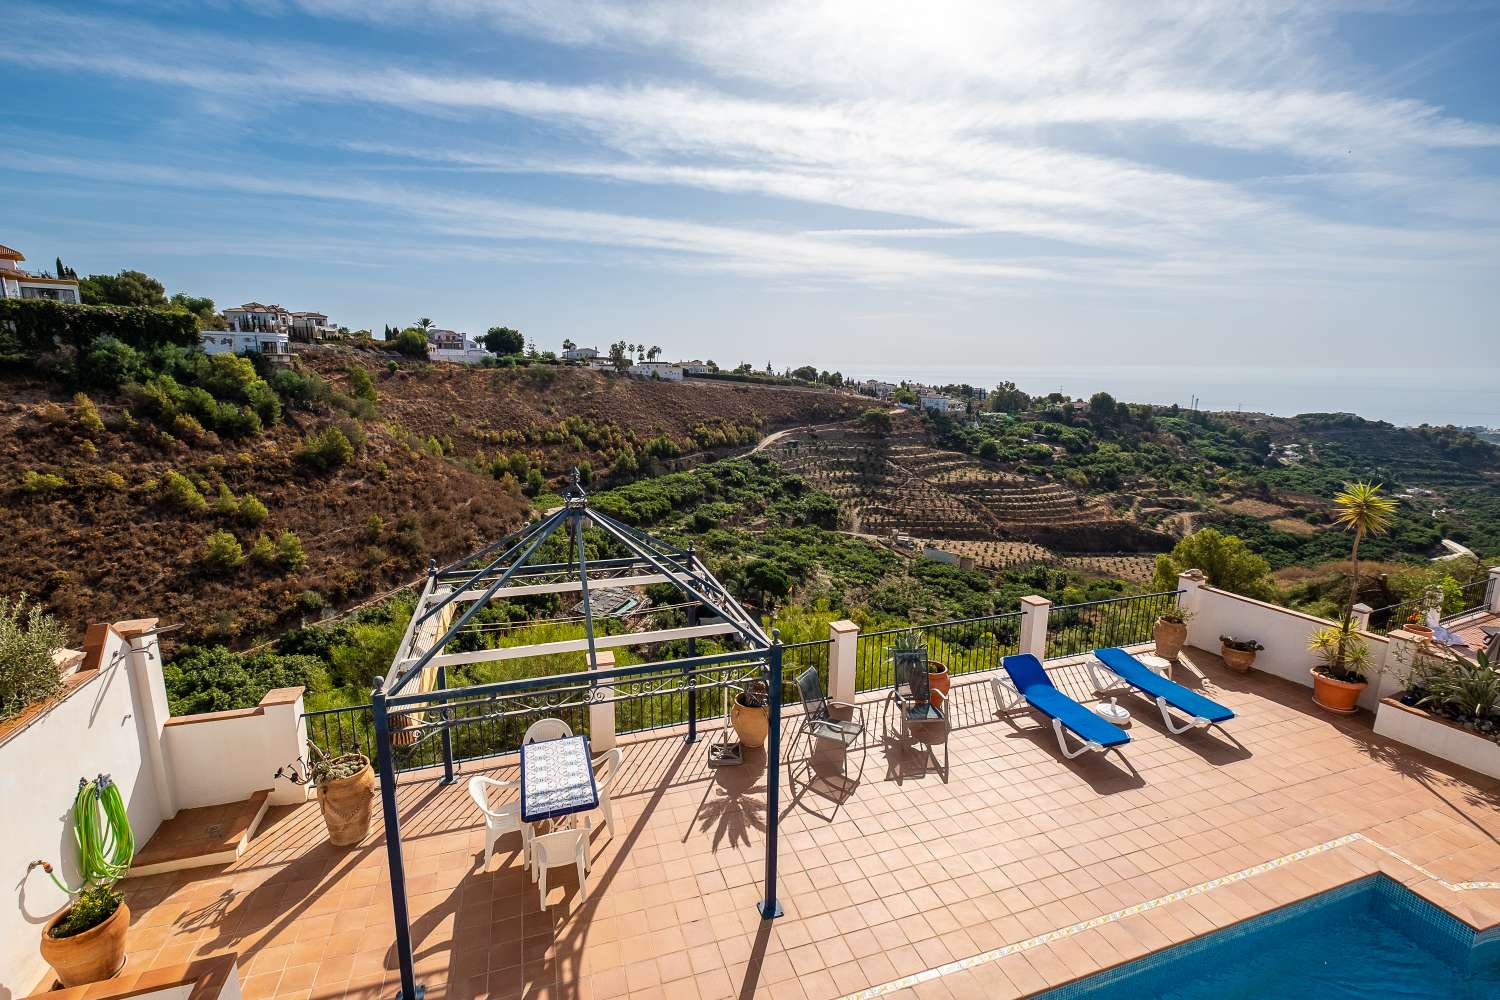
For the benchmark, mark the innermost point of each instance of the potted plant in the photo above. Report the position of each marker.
(1238, 654)
(751, 715)
(85, 943)
(345, 786)
(909, 649)
(1339, 678)
(1417, 625)
(1170, 631)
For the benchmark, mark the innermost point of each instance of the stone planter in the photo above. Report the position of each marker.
(1433, 734)
(1170, 637)
(751, 724)
(1238, 660)
(92, 956)
(1336, 695)
(345, 804)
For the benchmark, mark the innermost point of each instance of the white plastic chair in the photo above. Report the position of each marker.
(558, 850)
(606, 770)
(499, 822)
(543, 730)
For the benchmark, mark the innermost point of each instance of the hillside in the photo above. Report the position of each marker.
(110, 516)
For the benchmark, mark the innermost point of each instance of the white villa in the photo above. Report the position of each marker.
(451, 345)
(940, 403)
(657, 369)
(694, 367)
(878, 389)
(312, 327)
(580, 354)
(16, 283)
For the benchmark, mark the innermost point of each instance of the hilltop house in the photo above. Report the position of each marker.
(16, 283)
(580, 354)
(451, 345)
(878, 389)
(657, 369)
(940, 402)
(694, 367)
(312, 327)
(253, 317)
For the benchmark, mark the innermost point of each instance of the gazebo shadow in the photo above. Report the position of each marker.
(734, 802)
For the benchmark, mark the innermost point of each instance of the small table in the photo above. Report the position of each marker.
(1113, 713)
(557, 779)
(1160, 664)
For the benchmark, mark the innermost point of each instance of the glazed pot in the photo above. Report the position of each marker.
(1170, 638)
(939, 682)
(1336, 695)
(750, 724)
(92, 956)
(1238, 660)
(345, 804)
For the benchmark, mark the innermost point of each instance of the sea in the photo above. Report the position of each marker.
(1406, 397)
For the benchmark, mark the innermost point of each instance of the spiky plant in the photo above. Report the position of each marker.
(1359, 508)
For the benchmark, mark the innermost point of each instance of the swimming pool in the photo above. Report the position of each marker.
(1371, 938)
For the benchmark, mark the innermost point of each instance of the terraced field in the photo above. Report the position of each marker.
(904, 483)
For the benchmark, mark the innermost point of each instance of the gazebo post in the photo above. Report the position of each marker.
(687, 672)
(770, 907)
(394, 863)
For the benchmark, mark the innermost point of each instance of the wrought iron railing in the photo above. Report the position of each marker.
(1471, 597)
(964, 646)
(1118, 621)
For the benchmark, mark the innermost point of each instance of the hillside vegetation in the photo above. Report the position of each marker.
(237, 502)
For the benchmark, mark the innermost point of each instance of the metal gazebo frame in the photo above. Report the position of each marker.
(414, 694)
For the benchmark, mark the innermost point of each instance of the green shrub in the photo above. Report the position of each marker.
(178, 491)
(112, 480)
(222, 551)
(91, 907)
(361, 386)
(263, 550)
(412, 343)
(28, 638)
(42, 482)
(109, 363)
(374, 525)
(289, 551)
(326, 451)
(87, 415)
(30, 328)
(215, 679)
(299, 389)
(226, 504)
(251, 510)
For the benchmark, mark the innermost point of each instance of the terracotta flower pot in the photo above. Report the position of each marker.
(1170, 638)
(345, 804)
(93, 956)
(1336, 695)
(939, 682)
(1238, 660)
(750, 724)
(1422, 630)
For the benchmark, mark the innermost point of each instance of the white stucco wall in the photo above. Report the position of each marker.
(228, 756)
(93, 730)
(1284, 633)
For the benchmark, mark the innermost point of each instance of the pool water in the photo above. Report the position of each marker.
(1372, 938)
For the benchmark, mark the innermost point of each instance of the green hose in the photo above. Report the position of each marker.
(101, 828)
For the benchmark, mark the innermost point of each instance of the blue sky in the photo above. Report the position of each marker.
(846, 184)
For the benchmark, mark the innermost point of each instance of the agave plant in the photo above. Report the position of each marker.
(907, 648)
(1470, 688)
(1344, 652)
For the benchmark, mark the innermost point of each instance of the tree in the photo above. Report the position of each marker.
(1102, 407)
(766, 577)
(128, 288)
(876, 421)
(412, 343)
(424, 324)
(568, 345)
(1361, 509)
(653, 353)
(503, 340)
(806, 373)
(1226, 560)
(202, 309)
(617, 352)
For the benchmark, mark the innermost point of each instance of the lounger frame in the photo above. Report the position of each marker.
(1010, 698)
(1096, 668)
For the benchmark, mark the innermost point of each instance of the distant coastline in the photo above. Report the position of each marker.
(1466, 397)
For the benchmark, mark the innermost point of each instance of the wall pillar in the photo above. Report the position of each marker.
(286, 739)
(1362, 614)
(1191, 582)
(1034, 611)
(843, 640)
(1492, 594)
(602, 714)
(143, 654)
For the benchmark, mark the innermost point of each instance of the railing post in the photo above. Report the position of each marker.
(843, 644)
(447, 735)
(1492, 592)
(395, 866)
(769, 907)
(692, 695)
(1362, 614)
(602, 714)
(1034, 612)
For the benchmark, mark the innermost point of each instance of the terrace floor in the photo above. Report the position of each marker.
(1022, 871)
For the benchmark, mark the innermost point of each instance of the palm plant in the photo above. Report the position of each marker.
(1362, 509)
(425, 323)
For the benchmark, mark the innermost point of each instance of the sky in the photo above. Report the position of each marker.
(1186, 182)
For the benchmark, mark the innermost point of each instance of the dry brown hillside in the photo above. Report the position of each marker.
(93, 533)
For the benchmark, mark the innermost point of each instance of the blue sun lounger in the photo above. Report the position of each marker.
(1203, 712)
(1029, 682)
